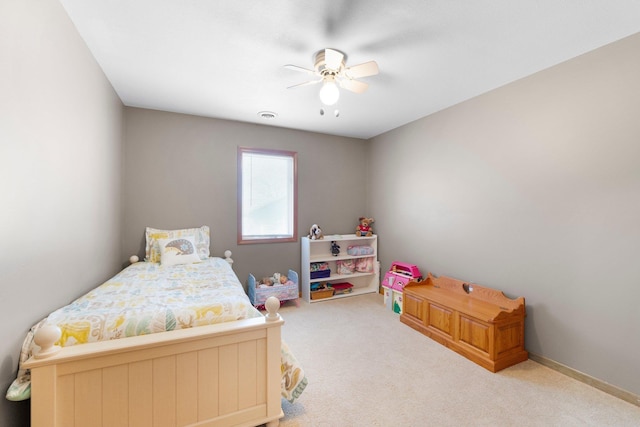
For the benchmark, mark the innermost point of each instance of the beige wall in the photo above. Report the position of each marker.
(534, 189)
(180, 171)
(60, 157)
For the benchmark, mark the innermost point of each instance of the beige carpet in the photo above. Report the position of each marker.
(365, 368)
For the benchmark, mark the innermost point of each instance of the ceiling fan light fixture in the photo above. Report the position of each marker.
(329, 93)
(330, 69)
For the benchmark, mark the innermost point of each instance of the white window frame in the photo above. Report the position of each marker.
(245, 185)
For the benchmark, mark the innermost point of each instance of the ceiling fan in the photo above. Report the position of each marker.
(331, 71)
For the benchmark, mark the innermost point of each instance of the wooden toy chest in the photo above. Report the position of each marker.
(480, 323)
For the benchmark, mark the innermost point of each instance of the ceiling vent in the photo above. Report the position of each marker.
(267, 115)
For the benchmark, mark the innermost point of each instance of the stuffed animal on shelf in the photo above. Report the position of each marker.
(315, 233)
(364, 229)
(335, 248)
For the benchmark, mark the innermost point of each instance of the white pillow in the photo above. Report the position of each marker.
(176, 251)
(152, 235)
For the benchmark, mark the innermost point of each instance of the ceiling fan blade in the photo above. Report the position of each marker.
(353, 85)
(310, 82)
(333, 59)
(362, 70)
(301, 69)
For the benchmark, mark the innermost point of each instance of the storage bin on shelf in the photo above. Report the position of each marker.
(342, 288)
(321, 291)
(320, 270)
(394, 281)
(284, 292)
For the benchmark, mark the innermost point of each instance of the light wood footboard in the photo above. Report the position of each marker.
(219, 375)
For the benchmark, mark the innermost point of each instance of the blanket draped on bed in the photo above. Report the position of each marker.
(147, 298)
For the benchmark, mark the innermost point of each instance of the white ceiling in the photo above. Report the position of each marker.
(225, 59)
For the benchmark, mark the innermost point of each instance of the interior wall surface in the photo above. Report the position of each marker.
(60, 175)
(532, 189)
(181, 172)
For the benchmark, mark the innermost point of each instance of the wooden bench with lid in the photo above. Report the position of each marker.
(479, 323)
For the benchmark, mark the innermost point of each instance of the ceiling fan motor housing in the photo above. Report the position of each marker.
(320, 63)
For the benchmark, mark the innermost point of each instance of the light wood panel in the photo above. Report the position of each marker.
(140, 399)
(88, 398)
(164, 391)
(65, 401)
(208, 385)
(114, 398)
(220, 378)
(186, 388)
(247, 376)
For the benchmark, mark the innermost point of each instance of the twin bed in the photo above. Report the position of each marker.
(196, 351)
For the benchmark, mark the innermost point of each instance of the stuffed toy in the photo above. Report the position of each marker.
(335, 248)
(279, 279)
(315, 233)
(364, 228)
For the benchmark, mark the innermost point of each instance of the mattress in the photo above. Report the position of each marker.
(146, 298)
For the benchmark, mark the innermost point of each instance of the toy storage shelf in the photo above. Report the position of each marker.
(320, 251)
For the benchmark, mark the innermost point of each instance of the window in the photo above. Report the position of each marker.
(267, 196)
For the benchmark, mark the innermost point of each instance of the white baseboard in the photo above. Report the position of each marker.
(594, 382)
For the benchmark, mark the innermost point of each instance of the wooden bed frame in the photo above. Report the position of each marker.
(225, 374)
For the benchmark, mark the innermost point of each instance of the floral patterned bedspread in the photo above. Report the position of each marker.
(146, 298)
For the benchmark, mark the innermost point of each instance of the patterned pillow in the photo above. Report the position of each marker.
(360, 250)
(178, 251)
(199, 235)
